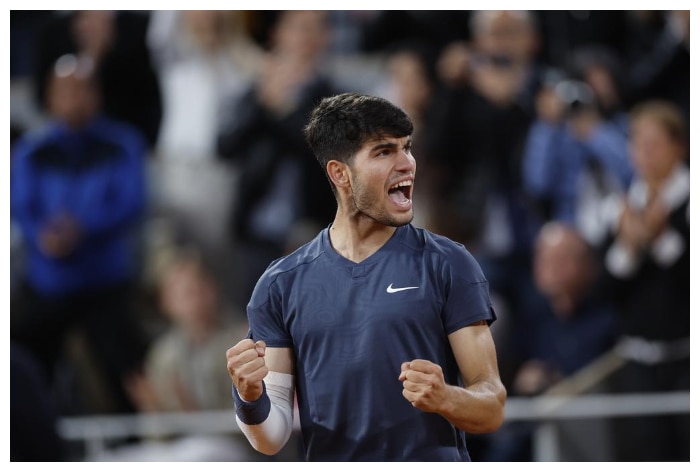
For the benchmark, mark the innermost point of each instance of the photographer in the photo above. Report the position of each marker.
(575, 155)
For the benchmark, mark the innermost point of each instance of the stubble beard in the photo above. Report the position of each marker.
(365, 204)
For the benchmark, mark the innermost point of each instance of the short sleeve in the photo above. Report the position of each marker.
(265, 315)
(467, 292)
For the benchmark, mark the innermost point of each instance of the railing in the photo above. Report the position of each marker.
(547, 410)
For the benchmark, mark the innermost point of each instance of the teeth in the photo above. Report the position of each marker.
(405, 183)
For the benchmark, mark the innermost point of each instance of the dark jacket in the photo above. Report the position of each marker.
(259, 142)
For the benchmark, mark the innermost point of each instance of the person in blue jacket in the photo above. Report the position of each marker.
(77, 193)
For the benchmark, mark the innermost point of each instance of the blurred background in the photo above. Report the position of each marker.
(158, 166)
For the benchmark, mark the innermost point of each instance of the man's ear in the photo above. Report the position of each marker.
(338, 173)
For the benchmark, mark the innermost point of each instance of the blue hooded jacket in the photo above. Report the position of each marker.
(96, 175)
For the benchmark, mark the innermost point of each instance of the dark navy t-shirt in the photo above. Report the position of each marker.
(351, 326)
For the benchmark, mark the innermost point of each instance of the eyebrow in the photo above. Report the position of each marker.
(386, 145)
(380, 146)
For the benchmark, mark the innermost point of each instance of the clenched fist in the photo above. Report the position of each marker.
(246, 366)
(424, 385)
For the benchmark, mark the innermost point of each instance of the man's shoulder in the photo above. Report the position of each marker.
(446, 251)
(426, 240)
(281, 274)
(296, 260)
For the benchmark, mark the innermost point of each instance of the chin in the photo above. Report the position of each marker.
(403, 220)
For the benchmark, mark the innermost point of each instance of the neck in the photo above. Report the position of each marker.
(355, 236)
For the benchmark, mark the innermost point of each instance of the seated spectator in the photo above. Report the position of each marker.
(581, 323)
(576, 325)
(182, 369)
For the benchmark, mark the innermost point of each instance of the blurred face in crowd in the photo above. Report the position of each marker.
(211, 29)
(302, 34)
(654, 151)
(562, 265)
(188, 296)
(73, 97)
(509, 34)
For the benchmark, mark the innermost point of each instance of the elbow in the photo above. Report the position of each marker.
(488, 425)
(267, 448)
(269, 444)
(499, 415)
(494, 420)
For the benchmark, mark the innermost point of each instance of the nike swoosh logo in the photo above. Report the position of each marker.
(391, 289)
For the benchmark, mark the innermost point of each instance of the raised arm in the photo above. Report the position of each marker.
(263, 391)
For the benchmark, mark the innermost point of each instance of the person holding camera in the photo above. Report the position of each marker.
(576, 150)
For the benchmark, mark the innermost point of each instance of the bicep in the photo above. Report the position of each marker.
(475, 353)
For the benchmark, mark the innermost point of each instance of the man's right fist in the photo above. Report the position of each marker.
(246, 366)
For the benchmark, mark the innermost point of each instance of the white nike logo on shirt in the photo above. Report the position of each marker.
(391, 289)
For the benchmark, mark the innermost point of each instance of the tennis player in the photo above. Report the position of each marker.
(379, 327)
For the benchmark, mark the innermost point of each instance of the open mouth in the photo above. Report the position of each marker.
(400, 192)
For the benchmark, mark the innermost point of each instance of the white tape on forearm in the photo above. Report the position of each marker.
(272, 434)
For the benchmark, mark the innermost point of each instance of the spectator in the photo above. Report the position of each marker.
(576, 324)
(77, 192)
(182, 366)
(648, 260)
(484, 112)
(204, 60)
(116, 43)
(581, 323)
(576, 151)
(482, 119)
(281, 185)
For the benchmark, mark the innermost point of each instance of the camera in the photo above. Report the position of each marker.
(575, 94)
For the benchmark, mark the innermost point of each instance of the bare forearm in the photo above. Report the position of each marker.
(476, 409)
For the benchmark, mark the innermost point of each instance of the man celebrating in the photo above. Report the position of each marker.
(381, 328)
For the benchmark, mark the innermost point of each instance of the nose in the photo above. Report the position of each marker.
(406, 161)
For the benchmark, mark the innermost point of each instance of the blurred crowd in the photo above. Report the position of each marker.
(158, 167)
